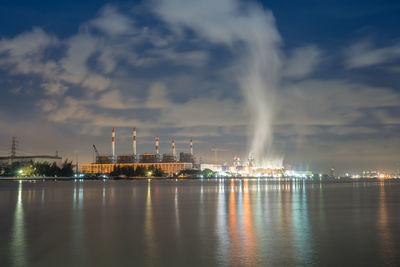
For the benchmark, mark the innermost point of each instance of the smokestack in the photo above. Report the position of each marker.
(191, 146)
(157, 139)
(134, 141)
(113, 145)
(173, 148)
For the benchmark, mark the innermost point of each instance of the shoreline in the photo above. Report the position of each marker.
(284, 179)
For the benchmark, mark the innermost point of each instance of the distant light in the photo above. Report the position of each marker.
(21, 171)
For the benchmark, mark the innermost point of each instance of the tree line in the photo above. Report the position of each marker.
(139, 171)
(38, 169)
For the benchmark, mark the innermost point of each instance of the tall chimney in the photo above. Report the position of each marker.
(173, 148)
(157, 139)
(134, 141)
(191, 146)
(113, 145)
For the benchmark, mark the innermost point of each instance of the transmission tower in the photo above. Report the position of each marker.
(13, 147)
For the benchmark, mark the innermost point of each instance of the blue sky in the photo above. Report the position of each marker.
(71, 70)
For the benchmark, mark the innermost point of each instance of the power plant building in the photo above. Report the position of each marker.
(105, 164)
(125, 159)
(169, 168)
(186, 157)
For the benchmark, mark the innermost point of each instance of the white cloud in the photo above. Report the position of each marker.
(191, 58)
(74, 65)
(114, 100)
(334, 102)
(112, 22)
(23, 54)
(363, 54)
(96, 82)
(108, 74)
(27, 44)
(250, 31)
(54, 88)
(302, 61)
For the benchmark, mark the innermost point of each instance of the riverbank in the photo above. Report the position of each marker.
(78, 178)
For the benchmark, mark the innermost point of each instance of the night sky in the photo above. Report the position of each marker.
(72, 70)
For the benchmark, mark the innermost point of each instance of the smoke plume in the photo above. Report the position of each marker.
(250, 32)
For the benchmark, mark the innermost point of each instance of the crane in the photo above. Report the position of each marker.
(216, 150)
(97, 152)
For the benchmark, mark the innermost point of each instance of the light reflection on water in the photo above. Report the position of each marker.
(386, 239)
(149, 229)
(238, 222)
(18, 243)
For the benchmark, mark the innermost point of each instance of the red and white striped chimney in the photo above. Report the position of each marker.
(113, 145)
(157, 139)
(134, 141)
(173, 148)
(191, 146)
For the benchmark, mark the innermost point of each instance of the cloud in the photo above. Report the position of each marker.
(113, 23)
(27, 44)
(96, 82)
(191, 58)
(302, 61)
(24, 53)
(114, 100)
(182, 76)
(74, 65)
(54, 88)
(363, 54)
(332, 102)
(251, 34)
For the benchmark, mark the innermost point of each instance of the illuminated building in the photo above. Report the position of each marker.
(169, 168)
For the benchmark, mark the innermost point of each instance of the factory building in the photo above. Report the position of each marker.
(168, 158)
(105, 164)
(186, 157)
(169, 168)
(103, 159)
(149, 158)
(25, 160)
(125, 159)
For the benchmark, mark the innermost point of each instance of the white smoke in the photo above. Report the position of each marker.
(250, 31)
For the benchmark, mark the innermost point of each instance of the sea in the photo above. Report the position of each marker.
(200, 222)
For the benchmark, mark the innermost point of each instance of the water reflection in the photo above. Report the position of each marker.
(254, 209)
(78, 225)
(149, 229)
(221, 229)
(385, 235)
(301, 226)
(248, 228)
(232, 222)
(18, 240)
(177, 218)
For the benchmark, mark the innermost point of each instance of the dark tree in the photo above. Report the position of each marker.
(67, 169)
(140, 171)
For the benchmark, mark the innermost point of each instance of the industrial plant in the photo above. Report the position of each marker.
(16, 158)
(169, 163)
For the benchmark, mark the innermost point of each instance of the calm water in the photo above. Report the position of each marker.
(199, 223)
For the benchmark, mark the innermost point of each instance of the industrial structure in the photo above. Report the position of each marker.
(25, 160)
(15, 158)
(167, 162)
